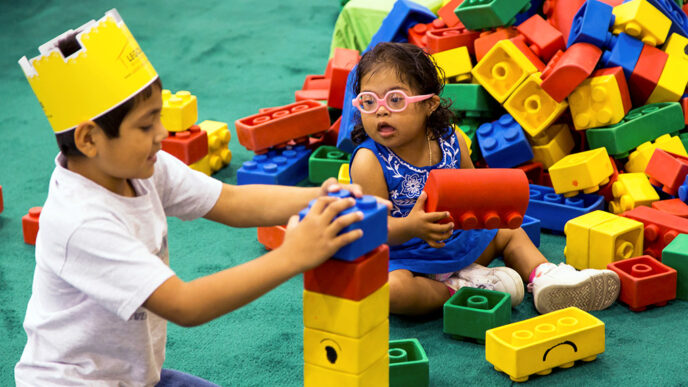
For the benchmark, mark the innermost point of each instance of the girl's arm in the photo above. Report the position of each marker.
(466, 162)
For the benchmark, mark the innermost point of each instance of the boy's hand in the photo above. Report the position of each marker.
(314, 239)
(424, 224)
(332, 185)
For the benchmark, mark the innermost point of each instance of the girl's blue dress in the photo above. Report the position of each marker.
(405, 182)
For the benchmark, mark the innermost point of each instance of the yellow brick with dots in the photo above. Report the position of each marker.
(638, 159)
(596, 102)
(583, 171)
(641, 20)
(631, 190)
(532, 107)
(219, 136)
(179, 110)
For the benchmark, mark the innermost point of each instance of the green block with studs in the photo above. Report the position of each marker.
(325, 163)
(408, 364)
(675, 255)
(471, 311)
(482, 14)
(470, 100)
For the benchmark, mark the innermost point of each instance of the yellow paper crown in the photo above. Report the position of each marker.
(107, 70)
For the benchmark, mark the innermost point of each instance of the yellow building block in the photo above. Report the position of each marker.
(343, 316)
(676, 45)
(202, 165)
(537, 345)
(218, 144)
(533, 107)
(343, 175)
(377, 375)
(672, 82)
(641, 20)
(456, 63)
(343, 353)
(583, 171)
(467, 139)
(598, 238)
(503, 69)
(596, 102)
(639, 158)
(179, 110)
(556, 149)
(631, 190)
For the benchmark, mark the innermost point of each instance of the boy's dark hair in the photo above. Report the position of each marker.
(110, 121)
(414, 67)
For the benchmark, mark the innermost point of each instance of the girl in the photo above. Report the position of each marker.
(403, 133)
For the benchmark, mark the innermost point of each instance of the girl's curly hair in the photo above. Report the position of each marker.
(414, 67)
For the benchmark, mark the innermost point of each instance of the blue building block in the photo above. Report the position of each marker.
(503, 143)
(553, 210)
(591, 24)
(472, 311)
(374, 225)
(679, 19)
(404, 15)
(350, 116)
(683, 191)
(532, 227)
(284, 167)
(625, 51)
(535, 7)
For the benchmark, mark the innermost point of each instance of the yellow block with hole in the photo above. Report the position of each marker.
(639, 158)
(641, 20)
(343, 353)
(533, 107)
(377, 375)
(455, 63)
(343, 175)
(219, 135)
(672, 82)
(557, 148)
(582, 171)
(536, 345)
(631, 190)
(596, 102)
(598, 238)
(503, 69)
(179, 110)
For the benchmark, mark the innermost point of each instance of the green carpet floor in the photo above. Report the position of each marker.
(237, 56)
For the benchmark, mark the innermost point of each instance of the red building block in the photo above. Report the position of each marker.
(567, 69)
(488, 39)
(646, 73)
(606, 190)
(314, 87)
(417, 34)
(618, 73)
(479, 198)
(447, 38)
(30, 225)
(533, 171)
(271, 237)
(543, 39)
(660, 228)
(684, 105)
(277, 126)
(2, 207)
(667, 170)
(520, 42)
(446, 13)
(337, 72)
(644, 281)
(672, 206)
(353, 280)
(188, 146)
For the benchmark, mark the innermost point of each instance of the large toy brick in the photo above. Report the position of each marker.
(478, 198)
(583, 171)
(532, 107)
(470, 100)
(672, 206)
(676, 45)
(404, 15)
(672, 82)
(675, 255)
(202, 165)
(641, 20)
(264, 130)
(639, 158)
(343, 174)
(667, 170)
(553, 210)
(2, 206)
(644, 281)
(179, 110)
(537, 345)
(353, 280)
(600, 100)
(596, 239)
(679, 20)
(606, 190)
(315, 87)
(521, 43)
(556, 149)
(487, 39)
(543, 39)
(325, 163)
(660, 228)
(343, 61)
(646, 74)
(532, 228)
(188, 146)
(376, 375)
(350, 115)
(418, 34)
(503, 143)
(481, 14)
(625, 51)
(30, 225)
(280, 167)
(374, 225)
(344, 353)
(642, 124)
(446, 13)
(591, 24)
(218, 143)
(470, 312)
(455, 63)
(632, 190)
(443, 39)
(271, 237)
(567, 69)
(503, 69)
(408, 364)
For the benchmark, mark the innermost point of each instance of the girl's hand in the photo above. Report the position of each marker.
(332, 185)
(424, 225)
(314, 239)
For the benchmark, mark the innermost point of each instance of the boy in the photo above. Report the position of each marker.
(102, 289)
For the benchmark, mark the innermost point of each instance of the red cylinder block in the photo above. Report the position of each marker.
(479, 198)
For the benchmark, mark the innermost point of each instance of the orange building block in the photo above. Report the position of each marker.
(646, 73)
(667, 170)
(645, 281)
(568, 69)
(271, 237)
(314, 87)
(672, 206)
(337, 72)
(486, 40)
(188, 146)
(443, 39)
(30, 225)
(446, 13)
(543, 39)
(660, 228)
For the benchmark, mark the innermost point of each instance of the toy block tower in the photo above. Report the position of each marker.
(346, 308)
(186, 141)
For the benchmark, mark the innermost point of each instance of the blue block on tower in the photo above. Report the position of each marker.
(625, 51)
(374, 225)
(404, 15)
(503, 143)
(284, 167)
(591, 24)
(350, 116)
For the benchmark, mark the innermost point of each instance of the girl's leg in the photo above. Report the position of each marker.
(415, 295)
(518, 251)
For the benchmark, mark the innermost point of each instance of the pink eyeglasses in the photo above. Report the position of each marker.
(395, 101)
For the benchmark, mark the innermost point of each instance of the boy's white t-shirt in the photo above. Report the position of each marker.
(99, 256)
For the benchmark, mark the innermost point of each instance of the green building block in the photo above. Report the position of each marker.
(481, 14)
(470, 100)
(675, 255)
(408, 364)
(642, 124)
(470, 126)
(470, 312)
(325, 162)
(684, 139)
